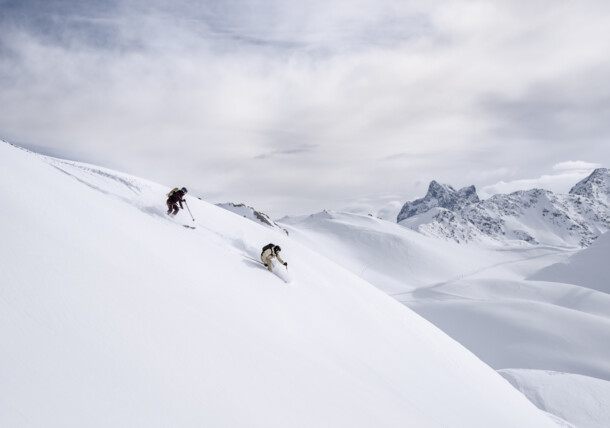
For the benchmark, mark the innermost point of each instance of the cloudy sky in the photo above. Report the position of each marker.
(294, 106)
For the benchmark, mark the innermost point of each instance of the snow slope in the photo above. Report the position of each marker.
(588, 268)
(111, 314)
(395, 258)
(580, 400)
(522, 324)
(479, 294)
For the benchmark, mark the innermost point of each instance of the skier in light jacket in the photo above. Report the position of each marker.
(269, 252)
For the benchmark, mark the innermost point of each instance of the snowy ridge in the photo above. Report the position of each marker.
(251, 214)
(112, 314)
(534, 216)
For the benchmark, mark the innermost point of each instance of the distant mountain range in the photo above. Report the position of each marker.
(534, 216)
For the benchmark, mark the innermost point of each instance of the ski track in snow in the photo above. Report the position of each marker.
(420, 292)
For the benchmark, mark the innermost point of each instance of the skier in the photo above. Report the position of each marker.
(175, 197)
(269, 252)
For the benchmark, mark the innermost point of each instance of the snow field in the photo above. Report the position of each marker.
(111, 314)
(580, 400)
(479, 294)
(588, 268)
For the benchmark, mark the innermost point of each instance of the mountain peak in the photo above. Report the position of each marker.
(441, 196)
(436, 189)
(595, 186)
(598, 171)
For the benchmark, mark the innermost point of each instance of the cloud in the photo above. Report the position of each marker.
(295, 150)
(338, 98)
(571, 172)
(385, 207)
(576, 166)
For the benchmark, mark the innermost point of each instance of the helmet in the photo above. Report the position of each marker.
(184, 190)
(277, 248)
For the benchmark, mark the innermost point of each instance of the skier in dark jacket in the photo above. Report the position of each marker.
(175, 197)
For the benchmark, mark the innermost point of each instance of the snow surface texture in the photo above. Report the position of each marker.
(588, 268)
(534, 216)
(479, 293)
(580, 400)
(113, 314)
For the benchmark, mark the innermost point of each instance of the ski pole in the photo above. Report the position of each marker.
(187, 207)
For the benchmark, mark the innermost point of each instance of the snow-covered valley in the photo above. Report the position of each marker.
(113, 314)
(528, 309)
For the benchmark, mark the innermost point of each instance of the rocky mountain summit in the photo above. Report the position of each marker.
(534, 216)
(596, 186)
(440, 195)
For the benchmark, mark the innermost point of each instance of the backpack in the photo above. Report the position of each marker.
(267, 247)
(171, 193)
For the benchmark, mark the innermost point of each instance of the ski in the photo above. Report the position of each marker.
(190, 227)
(254, 260)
